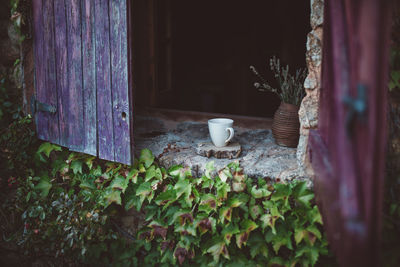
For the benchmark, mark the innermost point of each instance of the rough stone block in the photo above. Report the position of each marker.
(231, 151)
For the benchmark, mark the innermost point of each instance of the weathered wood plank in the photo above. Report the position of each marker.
(74, 58)
(89, 78)
(62, 69)
(120, 94)
(103, 82)
(130, 73)
(38, 57)
(47, 123)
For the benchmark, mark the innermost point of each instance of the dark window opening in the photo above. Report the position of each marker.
(195, 55)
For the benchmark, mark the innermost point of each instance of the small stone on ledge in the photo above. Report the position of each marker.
(231, 151)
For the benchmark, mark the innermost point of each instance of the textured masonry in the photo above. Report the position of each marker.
(308, 112)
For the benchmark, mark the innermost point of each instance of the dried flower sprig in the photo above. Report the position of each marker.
(290, 88)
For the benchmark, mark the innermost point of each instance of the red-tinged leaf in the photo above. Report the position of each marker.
(180, 254)
(158, 229)
(186, 218)
(229, 231)
(166, 245)
(241, 239)
(147, 235)
(186, 230)
(248, 225)
(208, 203)
(268, 220)
(225, 214)
(218, 249)
(204, 225)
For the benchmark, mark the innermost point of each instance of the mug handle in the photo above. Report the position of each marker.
(231, 134)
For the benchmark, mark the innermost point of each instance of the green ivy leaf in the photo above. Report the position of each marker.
(257, 246)
(206, 182)
(283, 237)
(238, 186)
(89, 161)
(120, 183)
(44, 186)
(166, 198)
(179, 172)
(209, 169)
(255, 211)
(224, 174)
(76, 166)
(47, 148)
(159, 175)
(144, 191)
(312, 253)
(314, 216)
(87, 183)
(234, 202)
(282, 192)
(183, 187)
(113, 196)
(222, 191)
(146, 157)
(150, 173)
(131, 200)
(174, 171)
(306, 199)
(300, 189)
(299, 234)
(133, 175)
(259, 193)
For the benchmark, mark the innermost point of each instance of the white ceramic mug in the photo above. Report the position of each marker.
(221, 131)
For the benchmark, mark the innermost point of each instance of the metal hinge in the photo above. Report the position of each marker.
(39, 106)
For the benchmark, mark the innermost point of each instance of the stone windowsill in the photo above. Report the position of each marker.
(174, 142)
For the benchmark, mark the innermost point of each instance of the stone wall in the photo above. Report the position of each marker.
(9, 47)
(308, 112)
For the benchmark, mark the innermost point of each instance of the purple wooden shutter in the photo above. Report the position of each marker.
(81, 69)
(347, 152)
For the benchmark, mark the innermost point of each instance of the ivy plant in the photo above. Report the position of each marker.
(70, 208)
